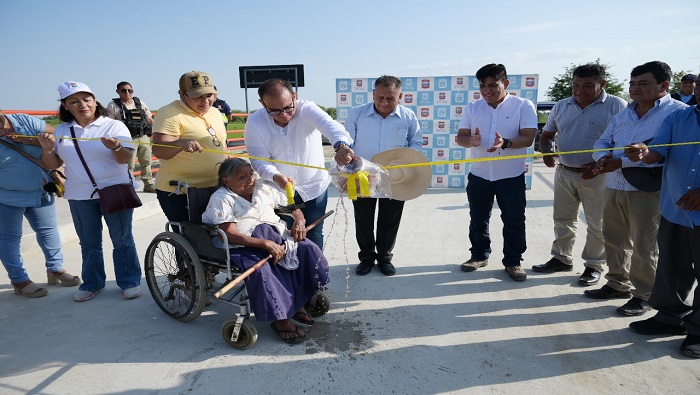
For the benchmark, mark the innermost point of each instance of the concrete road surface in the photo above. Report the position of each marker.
(430, 329)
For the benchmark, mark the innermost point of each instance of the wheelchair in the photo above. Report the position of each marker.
(181, 265)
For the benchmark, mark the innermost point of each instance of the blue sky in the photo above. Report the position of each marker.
(151, 43)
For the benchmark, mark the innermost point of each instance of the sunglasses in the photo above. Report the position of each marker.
(214, 139)
(127, 90)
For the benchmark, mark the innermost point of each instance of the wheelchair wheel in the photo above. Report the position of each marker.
(319, 304)
(247, 337)
(175, 276)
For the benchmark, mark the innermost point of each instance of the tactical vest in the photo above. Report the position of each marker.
(135, 120)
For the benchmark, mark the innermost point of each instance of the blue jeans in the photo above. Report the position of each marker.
(43, 221)
(510, 195)
(87, 219)
(313, 210)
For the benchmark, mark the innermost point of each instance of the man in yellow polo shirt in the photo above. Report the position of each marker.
(190, 140)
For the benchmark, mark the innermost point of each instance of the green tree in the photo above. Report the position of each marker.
(676, 81)
(561, 88)
(330, 111)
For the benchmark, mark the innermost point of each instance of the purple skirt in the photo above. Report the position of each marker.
(275, 292)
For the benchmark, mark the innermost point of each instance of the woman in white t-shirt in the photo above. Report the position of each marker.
(106, 146)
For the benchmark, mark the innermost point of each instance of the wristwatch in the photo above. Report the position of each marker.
(506, 143)
(339, 144)
(117, 148)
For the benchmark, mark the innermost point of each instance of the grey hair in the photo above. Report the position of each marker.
(228, 166)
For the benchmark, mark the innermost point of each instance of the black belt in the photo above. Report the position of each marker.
(574, 169)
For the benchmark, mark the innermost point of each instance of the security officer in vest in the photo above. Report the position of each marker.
(137, 117)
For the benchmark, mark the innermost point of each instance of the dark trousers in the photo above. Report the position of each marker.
(510, 195)
(388, 220)
(174, 206)
(677, 271)
(313, 210)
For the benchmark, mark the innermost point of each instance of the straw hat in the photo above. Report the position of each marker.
(407, 182)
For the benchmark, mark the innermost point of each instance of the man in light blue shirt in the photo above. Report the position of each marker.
(679, 230)
(375, 127)
(631, 215)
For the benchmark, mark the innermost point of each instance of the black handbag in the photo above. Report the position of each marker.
(114, 198)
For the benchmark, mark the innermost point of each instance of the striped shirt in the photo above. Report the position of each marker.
(627, 128)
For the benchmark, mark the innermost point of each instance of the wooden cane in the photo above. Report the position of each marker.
(261, 262)
(242, 277)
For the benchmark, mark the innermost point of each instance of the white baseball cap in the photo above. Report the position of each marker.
(70, 87)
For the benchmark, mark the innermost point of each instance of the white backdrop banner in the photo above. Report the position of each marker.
(438, 103)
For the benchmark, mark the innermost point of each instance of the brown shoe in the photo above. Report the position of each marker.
(516, 273)
(473, 264)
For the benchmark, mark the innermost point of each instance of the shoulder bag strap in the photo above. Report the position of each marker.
(80, 155)
(25, 154)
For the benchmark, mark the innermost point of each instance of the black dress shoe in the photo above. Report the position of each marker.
(634, 307)
(590, 276)
(553, 265)
(607, 293)
(691, 346)
(387, 268)
(364, 268)
(654, 327)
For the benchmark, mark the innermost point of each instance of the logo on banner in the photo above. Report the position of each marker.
(424, 124)
(441, 112)
(360, 99)
(358, 83)
(457, 166)
(424, 96)
(343, 85)
(343, 113)
(459, 97)
(530, 82)
(455, 182)
(408, 98)
(441, 140)
(442, 96)
(424, 112)
(528, 94)
(441, 125)
(425, 84)
(458, 110)
(425, 140)
(343, 97)
(458, 154)
(460, 81)
(409, 84)
(477, 96)
(442, 83)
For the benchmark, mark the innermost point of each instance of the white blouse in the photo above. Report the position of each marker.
(225, 206)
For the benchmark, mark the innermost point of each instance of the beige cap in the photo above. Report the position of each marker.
(407, 183)
(196, 83)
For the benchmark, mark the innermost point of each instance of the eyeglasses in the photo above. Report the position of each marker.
(214, 139)
(287, 110)
(127, 90)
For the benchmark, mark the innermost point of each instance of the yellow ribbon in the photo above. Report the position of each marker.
(445, 162)
(361, 177)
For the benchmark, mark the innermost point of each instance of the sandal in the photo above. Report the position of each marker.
(304, 318)
(31, 290)
(66, 279)
(293, 340)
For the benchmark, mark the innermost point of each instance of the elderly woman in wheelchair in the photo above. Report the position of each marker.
(244, 208)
